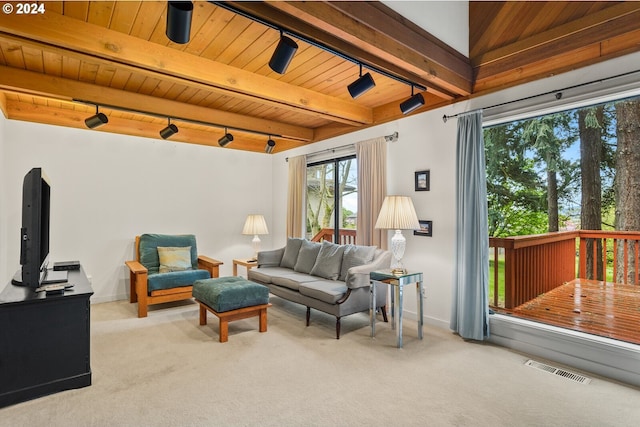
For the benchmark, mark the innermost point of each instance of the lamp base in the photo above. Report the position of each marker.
(398, 244)
(255, 243)
(398, 271)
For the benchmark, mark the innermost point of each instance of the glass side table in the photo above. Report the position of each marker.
(398, 281)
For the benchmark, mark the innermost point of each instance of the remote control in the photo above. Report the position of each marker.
(54, 289)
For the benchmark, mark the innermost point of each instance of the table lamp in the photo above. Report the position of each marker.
(397, 213)
(255, 224)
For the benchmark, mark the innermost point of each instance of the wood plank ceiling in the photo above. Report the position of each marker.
(57, 64)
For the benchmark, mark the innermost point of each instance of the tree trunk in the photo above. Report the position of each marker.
(627, 184)
(591, 209)
(552, 197)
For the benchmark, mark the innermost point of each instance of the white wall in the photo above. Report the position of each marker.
(438, 18)
(108, 188)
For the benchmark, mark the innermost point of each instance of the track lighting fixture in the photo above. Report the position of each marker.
(179, 21)
(96, 120)
(171, 129)
(271, 144)
(412, 103)
(287, 48)
(226, 139)
(360, 86)
(282, 56)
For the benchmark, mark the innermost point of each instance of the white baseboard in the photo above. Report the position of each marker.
(606, 357)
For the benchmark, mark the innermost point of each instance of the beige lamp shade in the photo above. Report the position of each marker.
(397, 213)
(255, 224)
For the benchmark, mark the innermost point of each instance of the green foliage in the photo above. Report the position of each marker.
(520, 155)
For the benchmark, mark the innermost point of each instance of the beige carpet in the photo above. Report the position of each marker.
(166, 370)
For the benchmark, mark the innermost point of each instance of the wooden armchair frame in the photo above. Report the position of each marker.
(139, 291)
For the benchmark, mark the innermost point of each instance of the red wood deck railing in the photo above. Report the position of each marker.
(536, 264)
(346, 236)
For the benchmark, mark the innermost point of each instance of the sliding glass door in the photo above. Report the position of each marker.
(332, 195)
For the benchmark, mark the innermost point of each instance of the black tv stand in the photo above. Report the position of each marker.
(45, 340)
(51, 276)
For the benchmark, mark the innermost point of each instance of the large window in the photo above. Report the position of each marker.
(575, 169)
(332, 194)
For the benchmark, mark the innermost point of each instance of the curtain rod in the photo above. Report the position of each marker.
(389, 138)
(558, 94)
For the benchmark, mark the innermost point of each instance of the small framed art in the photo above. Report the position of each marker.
(426, 228)
(422, 181)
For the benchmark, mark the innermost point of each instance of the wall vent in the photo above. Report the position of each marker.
(559, 372)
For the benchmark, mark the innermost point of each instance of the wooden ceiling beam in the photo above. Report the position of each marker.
(108, 64)
(61, 88)
(376, 29)
(69, 117)
(593, 29)
(382, 114)
(53, 28)
(3, 104)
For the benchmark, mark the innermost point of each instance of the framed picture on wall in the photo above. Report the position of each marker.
(422, 180)
(426, 228)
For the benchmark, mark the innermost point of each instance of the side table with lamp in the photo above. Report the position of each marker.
(397, 213)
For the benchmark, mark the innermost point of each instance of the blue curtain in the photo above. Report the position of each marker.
(470, 311)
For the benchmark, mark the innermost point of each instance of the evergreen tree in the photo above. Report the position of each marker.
(627, 181)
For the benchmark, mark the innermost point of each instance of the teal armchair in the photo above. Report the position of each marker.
(165, 268)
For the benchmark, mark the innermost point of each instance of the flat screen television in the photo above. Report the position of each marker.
(34, 234)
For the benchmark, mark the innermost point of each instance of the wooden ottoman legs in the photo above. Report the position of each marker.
(231, 315)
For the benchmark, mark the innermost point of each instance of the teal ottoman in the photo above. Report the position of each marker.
(231, 298)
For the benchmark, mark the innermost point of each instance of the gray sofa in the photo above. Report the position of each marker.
(324, 276)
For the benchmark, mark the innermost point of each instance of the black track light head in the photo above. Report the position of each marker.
(96, 120)
(271, 144)
(226, 139)
(360, 86)
(179, 21)
(170, 130)
(282, 56)
(412, 103)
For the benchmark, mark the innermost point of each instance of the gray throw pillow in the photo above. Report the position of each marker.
(355, 255)
(291, 251)
(329, 261)
(307, 256)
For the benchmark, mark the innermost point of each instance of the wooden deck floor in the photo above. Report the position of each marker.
(606, 309)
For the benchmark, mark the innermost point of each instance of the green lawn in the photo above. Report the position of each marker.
(500, 282)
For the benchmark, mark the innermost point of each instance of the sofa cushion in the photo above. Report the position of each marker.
(148, 249)
(175, 279)
(328, 261)
(174, 258)
(329, 291)
(307, 256)
(293, 280)
(355, 255)
(266, 274)
(291, 251)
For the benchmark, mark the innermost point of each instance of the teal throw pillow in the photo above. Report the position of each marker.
(174, 259)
